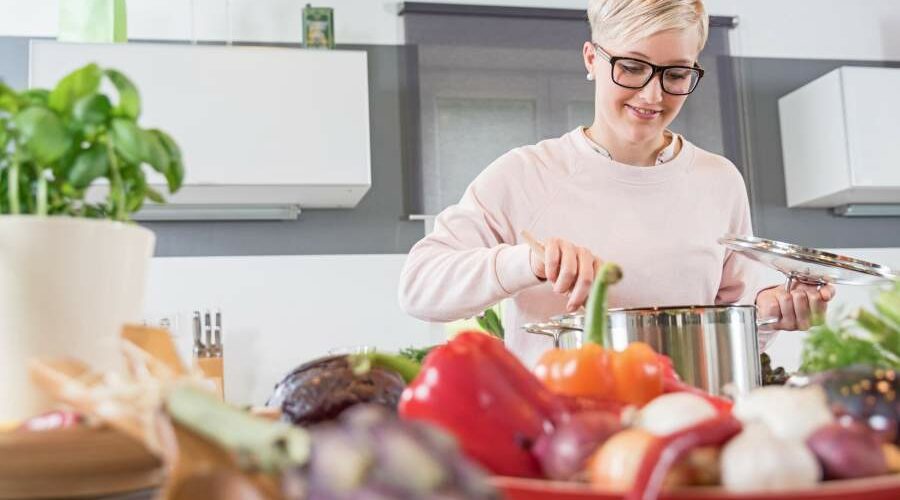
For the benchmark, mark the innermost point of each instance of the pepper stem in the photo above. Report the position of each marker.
(596, 310)
(406, 368)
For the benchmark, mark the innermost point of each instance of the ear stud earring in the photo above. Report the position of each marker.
(590, 77)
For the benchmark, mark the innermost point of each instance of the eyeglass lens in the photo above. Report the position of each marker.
(636, 74)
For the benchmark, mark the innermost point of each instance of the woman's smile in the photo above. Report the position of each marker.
(644, 113)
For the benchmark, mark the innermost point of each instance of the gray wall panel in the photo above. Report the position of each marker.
(14, 62)
(764, 82)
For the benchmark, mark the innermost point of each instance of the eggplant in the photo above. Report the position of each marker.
(866, 395)
(321, 389)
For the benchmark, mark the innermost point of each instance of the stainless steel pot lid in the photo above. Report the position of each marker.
(807, 265)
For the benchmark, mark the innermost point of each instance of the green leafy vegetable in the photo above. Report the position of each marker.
(869, 338)
(490, 322)
(416, 354)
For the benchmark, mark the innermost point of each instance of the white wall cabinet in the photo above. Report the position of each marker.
(840, 136)
(257, 125)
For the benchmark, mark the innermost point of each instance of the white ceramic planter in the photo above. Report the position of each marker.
(66, 287)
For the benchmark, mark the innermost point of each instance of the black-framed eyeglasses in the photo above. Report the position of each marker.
(636, 74)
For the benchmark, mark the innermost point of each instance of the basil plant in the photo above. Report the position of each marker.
(55, 144)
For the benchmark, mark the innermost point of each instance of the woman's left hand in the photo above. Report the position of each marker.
(798, 309)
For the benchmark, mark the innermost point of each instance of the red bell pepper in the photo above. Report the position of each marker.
(489, 402)
(666, 451)
(518, 377)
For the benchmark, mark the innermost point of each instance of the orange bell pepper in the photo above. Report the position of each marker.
(586, 371)
(637, 374)
(577, 372)
(633, 376)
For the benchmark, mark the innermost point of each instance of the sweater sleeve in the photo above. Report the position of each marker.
(471, 260)
(742, 278)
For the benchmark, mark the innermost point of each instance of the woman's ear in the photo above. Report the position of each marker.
(589, 58)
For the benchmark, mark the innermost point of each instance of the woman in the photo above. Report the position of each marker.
(624, 189)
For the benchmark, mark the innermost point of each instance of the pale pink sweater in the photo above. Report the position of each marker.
(660, 224)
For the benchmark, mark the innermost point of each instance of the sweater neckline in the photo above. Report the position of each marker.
(589, 160)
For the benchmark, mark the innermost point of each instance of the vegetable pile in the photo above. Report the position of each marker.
(624, 421)
(621, 421)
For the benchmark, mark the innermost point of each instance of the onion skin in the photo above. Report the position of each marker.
(848, 452)
(564, 452)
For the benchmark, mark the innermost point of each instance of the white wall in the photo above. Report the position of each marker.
(356, 21)
(278, 312)
(816, 29)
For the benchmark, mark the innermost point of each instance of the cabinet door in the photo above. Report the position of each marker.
(469, 120)
(871, 105)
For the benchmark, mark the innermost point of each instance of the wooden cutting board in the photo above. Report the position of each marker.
(74, 462)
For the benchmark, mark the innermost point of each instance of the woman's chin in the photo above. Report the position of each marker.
(642, 133)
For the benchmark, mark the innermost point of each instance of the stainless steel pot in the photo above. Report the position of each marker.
(711, 346)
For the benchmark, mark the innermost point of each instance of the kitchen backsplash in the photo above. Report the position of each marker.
(280, 311)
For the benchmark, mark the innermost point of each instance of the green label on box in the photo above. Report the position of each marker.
(318, 27)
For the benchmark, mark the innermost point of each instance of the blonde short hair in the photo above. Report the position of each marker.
(628, 20)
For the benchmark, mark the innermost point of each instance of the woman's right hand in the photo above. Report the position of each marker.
(569, 267)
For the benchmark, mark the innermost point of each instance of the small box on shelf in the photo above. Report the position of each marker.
(318, 27)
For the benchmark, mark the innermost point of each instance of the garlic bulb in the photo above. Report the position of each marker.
(673, 412)
(788, 412)
(757, 460)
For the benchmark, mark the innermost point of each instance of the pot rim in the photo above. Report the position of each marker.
(661, 309)
(698, 308)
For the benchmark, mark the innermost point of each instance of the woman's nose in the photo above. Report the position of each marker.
(652, 92)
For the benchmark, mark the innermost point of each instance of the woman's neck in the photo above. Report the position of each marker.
(642, 154)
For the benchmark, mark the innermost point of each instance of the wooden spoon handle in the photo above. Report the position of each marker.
(536, 246)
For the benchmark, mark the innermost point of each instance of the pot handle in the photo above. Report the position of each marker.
(766, 322)
(552, 330)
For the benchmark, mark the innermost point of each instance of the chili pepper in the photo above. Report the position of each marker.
(666, 451)
(668, 368)
(475, 390)
(578, 404)
(674, 385)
